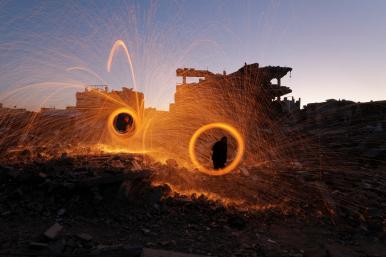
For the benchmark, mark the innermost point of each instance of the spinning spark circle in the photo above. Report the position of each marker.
(112, 120)
(236, 160)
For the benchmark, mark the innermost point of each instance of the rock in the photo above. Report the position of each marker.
(5, 213)
(117, 164)
(147, 252)
(244, 171)
(61, 212)
(271, 241)
(53, 231)
(168, 243)
(84, 236)
(145, 231)
(42, 175)
(150, 244)
(172, 163)
(38, 245)
(136, 166)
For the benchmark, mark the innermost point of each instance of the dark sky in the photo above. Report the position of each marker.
(336, 48)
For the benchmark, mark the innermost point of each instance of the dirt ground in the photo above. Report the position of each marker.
(121, 203)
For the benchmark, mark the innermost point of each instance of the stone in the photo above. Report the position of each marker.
(53, 231)
(244, 171)
(5, 213)
(61, 212)
(145, 231)
(172, 163)
(38, 245)
(84, 236)
(42, 175)
(136, 166)
(117, 164)
(147, 252)
(271, 241)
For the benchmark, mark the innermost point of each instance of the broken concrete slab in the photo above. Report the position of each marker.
(37, 245)
(53, 231)
(84, 236)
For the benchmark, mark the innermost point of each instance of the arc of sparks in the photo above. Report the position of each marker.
(117, 44)
(78, 68)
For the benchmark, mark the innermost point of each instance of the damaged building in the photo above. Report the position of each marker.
(252, 99)
(261, 85)
(96, 104)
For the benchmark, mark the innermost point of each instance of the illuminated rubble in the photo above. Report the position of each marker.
(311, 183)
(122, 202)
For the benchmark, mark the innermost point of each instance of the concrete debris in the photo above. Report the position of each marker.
(38, 245)
(84, 236)
(244, 171)
(61, 212)
(147, 252)
(271, 241)
(172, 163)
(136, 166)
(117, 164)
(53, 231)
(106, 209)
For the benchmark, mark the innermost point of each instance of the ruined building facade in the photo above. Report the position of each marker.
(251, 99)
(96, 104)
(251, 82)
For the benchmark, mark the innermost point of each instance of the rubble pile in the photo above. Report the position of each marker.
(128, 205)
(73, 192)
(344, 129)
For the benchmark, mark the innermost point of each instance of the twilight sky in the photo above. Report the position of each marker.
(336, 48)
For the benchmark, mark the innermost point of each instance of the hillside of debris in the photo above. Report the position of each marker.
(128, 205)
(319, 192)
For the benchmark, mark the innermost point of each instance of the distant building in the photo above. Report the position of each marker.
(98, 97)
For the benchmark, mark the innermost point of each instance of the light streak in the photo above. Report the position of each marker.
(240, 149)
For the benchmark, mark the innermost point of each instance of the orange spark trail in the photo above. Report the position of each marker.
(117, 44)
(77, 68)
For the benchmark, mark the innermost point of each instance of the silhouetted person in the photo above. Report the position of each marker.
(219, 153)
(123, 122)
